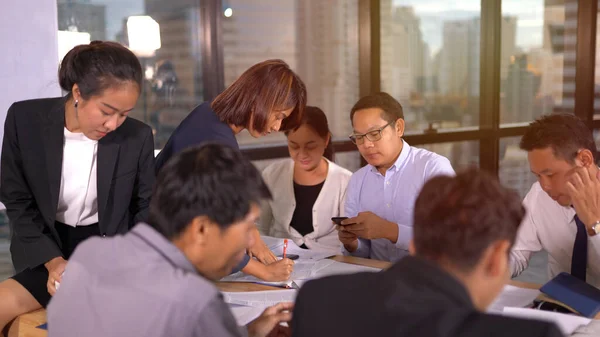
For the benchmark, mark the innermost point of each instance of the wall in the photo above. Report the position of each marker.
(29, 57)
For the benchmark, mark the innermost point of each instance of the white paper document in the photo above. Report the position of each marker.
(244, 314)
(512, 296)
(276, 246)
(260, 299)
(566, 323)
(305, 270)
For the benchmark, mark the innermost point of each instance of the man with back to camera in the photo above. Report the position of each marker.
(157, 280)
(380, 196)
(464, 227)
(563, 206)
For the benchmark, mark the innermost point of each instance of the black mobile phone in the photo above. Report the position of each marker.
(290, 256)
(338, 220)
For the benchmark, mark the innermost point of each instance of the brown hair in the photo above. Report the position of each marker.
(390, 107)
(266, 86)
(457, 218)
(565, 134)
(317, 120)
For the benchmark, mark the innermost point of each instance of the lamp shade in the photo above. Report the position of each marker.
(143, 33)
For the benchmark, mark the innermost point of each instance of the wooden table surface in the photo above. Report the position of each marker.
(26, 325)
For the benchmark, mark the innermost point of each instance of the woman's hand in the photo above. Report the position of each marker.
(56, 267)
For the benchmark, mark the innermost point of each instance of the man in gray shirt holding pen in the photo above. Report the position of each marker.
(157, 280)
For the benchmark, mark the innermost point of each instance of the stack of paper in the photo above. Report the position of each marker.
(512, 296)
(246, 306)
(276, 246)
(243, 314)
(567, 323)
(305, 270)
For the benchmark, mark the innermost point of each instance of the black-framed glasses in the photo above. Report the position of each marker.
(372, 136)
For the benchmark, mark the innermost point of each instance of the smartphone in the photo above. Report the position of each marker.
(290, 256)
(338, 220)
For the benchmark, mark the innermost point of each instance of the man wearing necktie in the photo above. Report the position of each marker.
(563, 207)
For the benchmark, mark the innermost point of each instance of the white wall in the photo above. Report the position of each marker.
(29, 56)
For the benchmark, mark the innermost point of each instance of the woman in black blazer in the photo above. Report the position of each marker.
(72, 167)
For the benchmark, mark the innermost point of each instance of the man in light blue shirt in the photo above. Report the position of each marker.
(381, 196)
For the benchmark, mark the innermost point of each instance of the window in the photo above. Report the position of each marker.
(164, 35)
(318, 39)
(597, 73)
(538, 59)
(461, 154)
(514, 167)
(430, 61)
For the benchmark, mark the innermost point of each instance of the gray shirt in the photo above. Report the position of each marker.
(138, 284)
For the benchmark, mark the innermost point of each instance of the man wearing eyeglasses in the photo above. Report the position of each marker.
(381, 196)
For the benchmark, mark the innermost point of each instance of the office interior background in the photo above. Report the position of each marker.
(470, 74)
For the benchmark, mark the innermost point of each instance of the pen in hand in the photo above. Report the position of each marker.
(284, 247)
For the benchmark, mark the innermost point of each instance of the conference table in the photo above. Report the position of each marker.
(26, 325)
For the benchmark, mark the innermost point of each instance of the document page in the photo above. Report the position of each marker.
(512, 296)
(244, 314)
(260, 299)
(305, 270)
(567, 323)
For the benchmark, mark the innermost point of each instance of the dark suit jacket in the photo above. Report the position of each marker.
(414, 298)
(30, 176)
(200, 126)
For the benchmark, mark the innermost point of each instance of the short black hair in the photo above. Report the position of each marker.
(457, 218)
(392, 109)
(98, 66)
(566, 134)
(212, 180)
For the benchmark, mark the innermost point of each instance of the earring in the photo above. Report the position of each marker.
(76, 103)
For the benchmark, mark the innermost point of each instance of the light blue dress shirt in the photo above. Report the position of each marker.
(392, 197)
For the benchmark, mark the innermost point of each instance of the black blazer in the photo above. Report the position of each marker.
(30, 176)
(412, 298)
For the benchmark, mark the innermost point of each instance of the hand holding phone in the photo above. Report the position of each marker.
(338, 220)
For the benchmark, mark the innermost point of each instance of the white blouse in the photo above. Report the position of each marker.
(78, 196)
(277, 213)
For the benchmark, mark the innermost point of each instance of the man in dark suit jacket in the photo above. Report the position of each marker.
(464, 227)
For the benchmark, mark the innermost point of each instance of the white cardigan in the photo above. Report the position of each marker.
(277, 214)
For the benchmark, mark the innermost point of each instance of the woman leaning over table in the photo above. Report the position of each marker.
(268, 97)
(308, 188)
(72, 167)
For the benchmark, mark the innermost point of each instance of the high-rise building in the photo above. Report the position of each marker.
(327, 45)
(318, 39)
(82, 16)
(256, 31)
(405, 61)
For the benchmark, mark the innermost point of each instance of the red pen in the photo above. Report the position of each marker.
(284, 247)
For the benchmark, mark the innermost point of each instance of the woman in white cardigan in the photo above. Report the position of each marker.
(308, 188)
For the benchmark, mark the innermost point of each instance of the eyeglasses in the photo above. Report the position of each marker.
(372, 136)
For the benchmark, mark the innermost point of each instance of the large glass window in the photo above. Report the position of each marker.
(430, 61)
(461, 154)
(597, 71)
(318, 39)
(165, 36)
(514, 169)
(538, 59)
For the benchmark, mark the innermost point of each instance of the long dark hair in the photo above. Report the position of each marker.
(317, 120)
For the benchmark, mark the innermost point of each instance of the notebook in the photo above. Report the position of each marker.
(575, 293)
